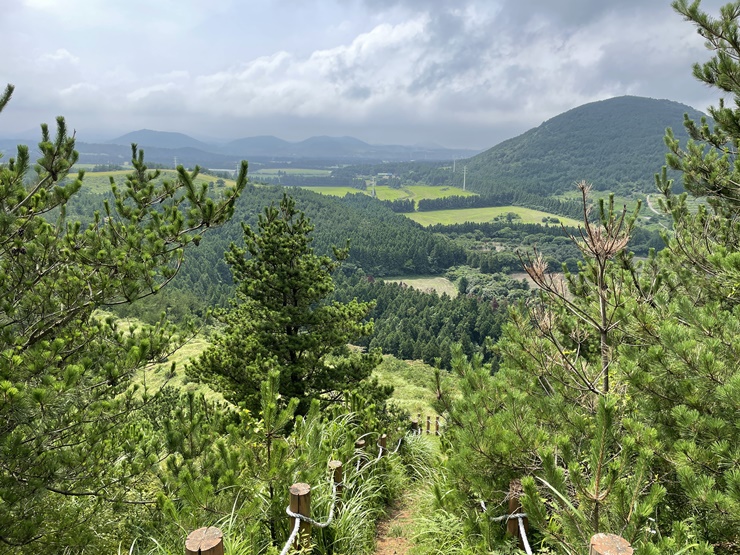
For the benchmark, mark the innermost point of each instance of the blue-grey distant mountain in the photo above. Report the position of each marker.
(615, 144)
(345, 149)
(160, 139)
(263, 145)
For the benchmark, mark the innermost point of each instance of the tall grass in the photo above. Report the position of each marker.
(370, 484)
(447, 526)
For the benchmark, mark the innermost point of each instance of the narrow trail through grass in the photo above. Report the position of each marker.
(396, 530)
(414, 391)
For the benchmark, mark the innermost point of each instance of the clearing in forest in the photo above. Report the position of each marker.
(438, 284)
(481, 215)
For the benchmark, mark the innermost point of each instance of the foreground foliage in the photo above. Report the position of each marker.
(67, 440)
(616, 402)
(232, 469)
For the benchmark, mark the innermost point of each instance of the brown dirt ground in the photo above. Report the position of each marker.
(392, 537)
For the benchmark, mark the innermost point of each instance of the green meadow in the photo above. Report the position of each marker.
(438, 284)
(383, 192)
(413, 384)
(273, 172)
(99, 182)
(481, 215)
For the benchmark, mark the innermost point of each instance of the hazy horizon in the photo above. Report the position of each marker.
(405, 72)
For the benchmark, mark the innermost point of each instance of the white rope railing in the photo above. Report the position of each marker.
(291, 538)
(523, 535)
(509, 517)
(520, 520)
(313, 522)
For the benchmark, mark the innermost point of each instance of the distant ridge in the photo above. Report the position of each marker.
(615, 144)
(267, 146)
(159, 139)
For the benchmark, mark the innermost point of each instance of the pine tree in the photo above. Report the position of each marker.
(68, 443)
(684, 359)
(280, 320)
(652, 452)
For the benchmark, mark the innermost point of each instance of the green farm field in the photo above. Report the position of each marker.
(99, 182)
(291, 171)
(383, 192)
(439, 284)
(334, 191)
(481, 215)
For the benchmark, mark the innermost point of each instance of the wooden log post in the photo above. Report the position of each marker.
(382, 442)
(414, 426)
(360, 446)
(429, 423)
(300, 503)
(337, 475)
(436, 427)
(609, 544)
(205, 541)
(515, 506)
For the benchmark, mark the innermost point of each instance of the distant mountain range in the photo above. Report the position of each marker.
(165, 147)
(615, 144)
(191, 151)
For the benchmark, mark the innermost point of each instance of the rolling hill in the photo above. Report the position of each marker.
(615, 144)
(159, 139)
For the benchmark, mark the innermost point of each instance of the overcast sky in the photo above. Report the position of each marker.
(459, 73)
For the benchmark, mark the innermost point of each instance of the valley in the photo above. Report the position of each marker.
(182, 348)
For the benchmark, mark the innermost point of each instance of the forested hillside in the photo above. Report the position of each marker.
(418, 325)
(381, 242)
(616, 144)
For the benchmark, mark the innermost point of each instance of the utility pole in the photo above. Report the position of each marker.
(453, 164)
(175, 162)
(465, 173)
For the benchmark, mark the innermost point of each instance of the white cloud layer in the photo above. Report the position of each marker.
(469, 73)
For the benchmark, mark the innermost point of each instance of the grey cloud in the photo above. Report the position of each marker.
(464, 73)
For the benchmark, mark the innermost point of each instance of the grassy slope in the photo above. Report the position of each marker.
(413, 383)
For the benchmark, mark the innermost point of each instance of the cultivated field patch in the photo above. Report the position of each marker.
(440, 285)
(481, 215)
(99, 182)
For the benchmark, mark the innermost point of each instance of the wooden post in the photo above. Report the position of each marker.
(609, 544)
(429, 423)
(361, 460)
(436, 427)
(382, 442)
(336, 468)
(515, 506)
(205, 541)
(300, 503)
(414, 426)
